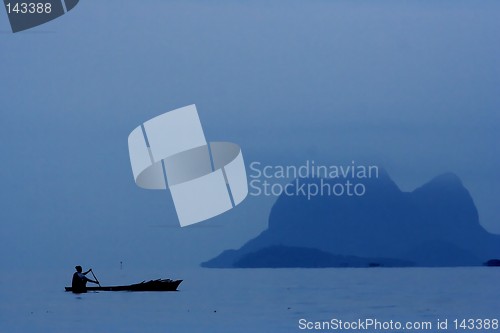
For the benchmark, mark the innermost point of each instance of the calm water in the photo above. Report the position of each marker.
(253, 300)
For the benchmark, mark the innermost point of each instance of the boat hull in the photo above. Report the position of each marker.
(155, 285)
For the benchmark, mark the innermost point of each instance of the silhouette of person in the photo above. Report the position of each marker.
(79, 282)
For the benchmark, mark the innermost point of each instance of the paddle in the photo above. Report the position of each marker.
(91, 271)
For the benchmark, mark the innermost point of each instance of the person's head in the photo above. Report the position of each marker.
(78, 269)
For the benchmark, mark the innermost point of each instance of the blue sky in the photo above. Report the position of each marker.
(411, 86)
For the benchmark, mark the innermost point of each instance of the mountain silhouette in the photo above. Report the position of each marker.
(436, 225)
(286, 256)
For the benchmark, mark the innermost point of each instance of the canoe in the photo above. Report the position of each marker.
(153, 285)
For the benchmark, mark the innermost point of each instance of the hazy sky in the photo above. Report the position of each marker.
(410, 85)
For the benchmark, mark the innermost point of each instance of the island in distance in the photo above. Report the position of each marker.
(436, 225)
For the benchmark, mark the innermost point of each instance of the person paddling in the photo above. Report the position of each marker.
(79, 282)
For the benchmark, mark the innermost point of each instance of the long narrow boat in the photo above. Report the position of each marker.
(153, 285)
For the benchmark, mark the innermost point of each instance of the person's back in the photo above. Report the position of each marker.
(78, 283)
